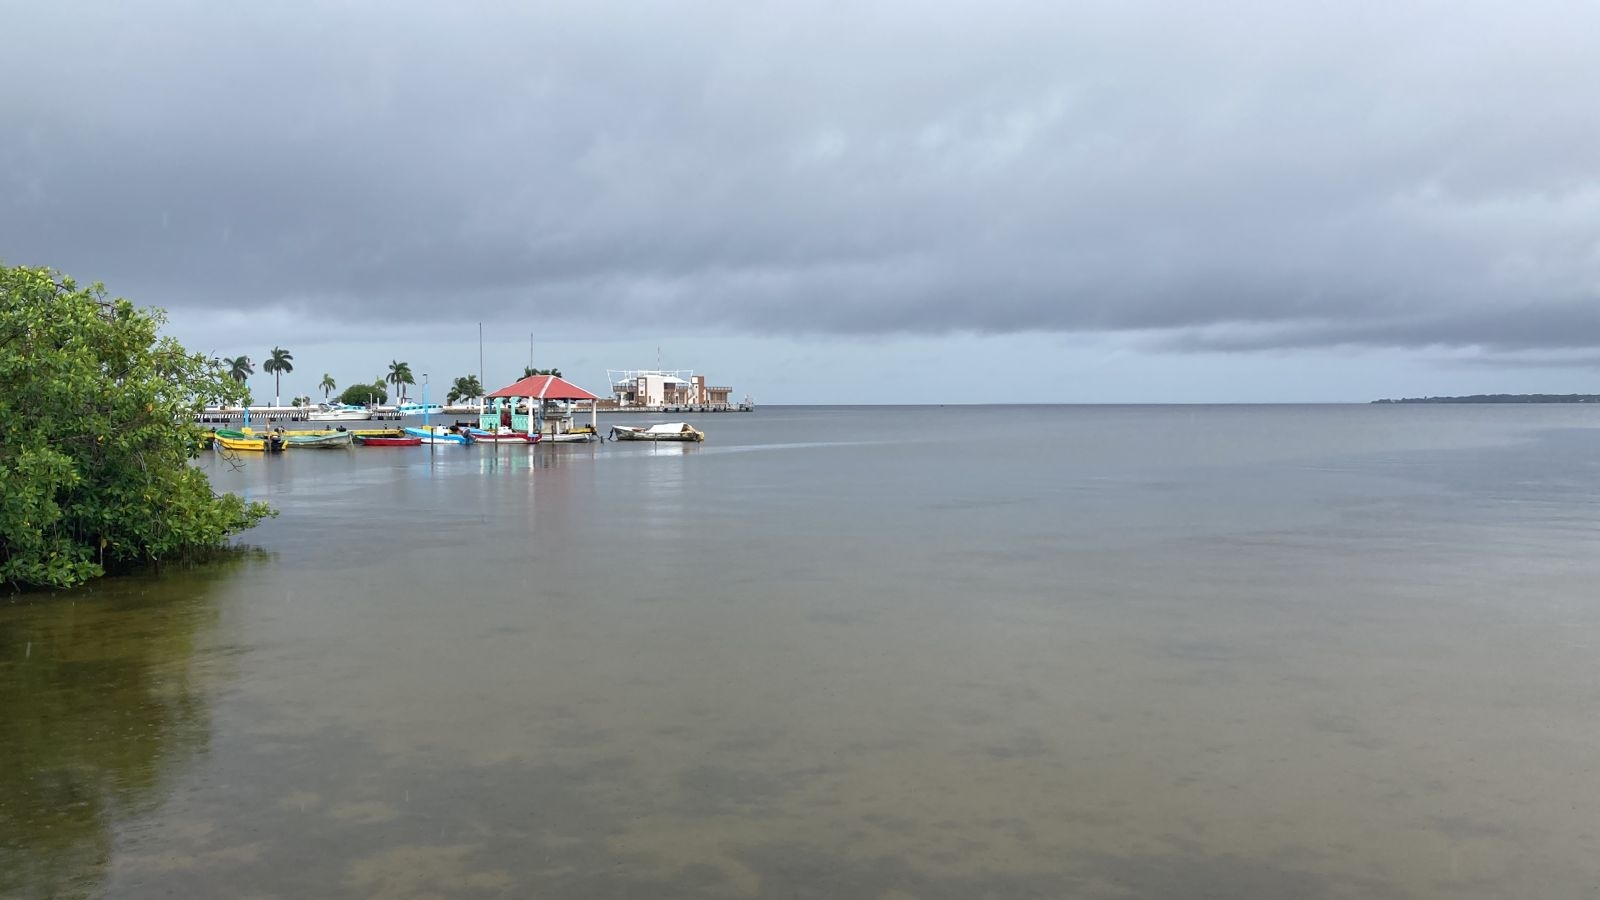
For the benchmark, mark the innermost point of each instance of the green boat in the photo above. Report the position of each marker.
(322, 439)
(228, 439)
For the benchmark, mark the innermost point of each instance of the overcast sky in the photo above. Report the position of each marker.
(833, 202)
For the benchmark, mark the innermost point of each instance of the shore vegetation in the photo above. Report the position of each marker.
(96, 435)
(467, 387)
(365, 394)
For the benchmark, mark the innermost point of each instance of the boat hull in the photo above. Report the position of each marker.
(248, 445)
(438, 436)
(367, 441)
(318, 441)
(416, 409)
(509, 437)
(677, 432)
(246, 441)
(339, 415)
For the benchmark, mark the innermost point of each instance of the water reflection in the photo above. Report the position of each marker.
(104, 704)
(512, 458)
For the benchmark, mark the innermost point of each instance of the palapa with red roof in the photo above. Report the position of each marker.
(545, 387)
(537, 390)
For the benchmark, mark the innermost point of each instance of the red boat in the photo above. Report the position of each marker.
(374, 441)
(502, 437)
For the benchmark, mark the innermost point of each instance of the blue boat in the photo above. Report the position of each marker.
(438, 434)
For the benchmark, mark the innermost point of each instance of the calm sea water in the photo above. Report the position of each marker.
(1233, 652)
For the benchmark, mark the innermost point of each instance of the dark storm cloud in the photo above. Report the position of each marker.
(1219, 176)
(1582, 361)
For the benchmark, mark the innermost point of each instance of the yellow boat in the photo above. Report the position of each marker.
(246, 440)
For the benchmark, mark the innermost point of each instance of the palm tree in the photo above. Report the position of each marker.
(529, 371)
(239, 368)
(327, 385)
(464, 388)
(400, 376)
(277, 365)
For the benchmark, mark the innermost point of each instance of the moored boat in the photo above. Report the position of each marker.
(372, 440)
(439, 434)
(419, 409)
(247, 440)
(502, 436)
(339, 412)
(665, 431)
(570, 437)
(322, 439)
(256, 445)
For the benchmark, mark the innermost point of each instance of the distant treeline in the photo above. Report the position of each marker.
(1503, 398)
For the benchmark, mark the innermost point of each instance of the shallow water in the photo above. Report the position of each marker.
(1248, 652)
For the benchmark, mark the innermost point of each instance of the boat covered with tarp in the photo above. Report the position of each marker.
(664, 431)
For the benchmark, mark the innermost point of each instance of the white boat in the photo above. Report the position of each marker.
(568, 437)
(339, 412)
(666, 431)
(419, 409)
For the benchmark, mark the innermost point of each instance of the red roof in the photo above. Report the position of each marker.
(545, 387)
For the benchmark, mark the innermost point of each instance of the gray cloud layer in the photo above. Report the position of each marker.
(1229, 175)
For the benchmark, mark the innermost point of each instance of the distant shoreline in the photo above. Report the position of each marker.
(1502, 398)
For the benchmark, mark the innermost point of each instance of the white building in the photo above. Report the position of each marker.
(658, 388)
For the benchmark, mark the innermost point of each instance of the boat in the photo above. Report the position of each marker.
(247, 440)
(419, 409)
(439, 434)
(339, 412)
(318, 439)
(256, 445)
(569, 437)
(666, 431)
(373, 440)
(502, 436)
